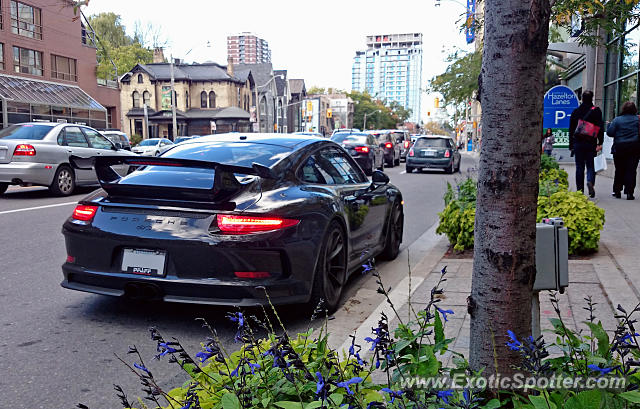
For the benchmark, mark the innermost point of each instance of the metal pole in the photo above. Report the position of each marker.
(173, 102)
(364, 124)
(255, 91)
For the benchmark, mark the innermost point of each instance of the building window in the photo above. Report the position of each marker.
(63, 68)
(203, 99)
(140, 79)
(27, 61)
(186, 99)
(136, 99)
(146, 98)
(212, 99)
(26, 20)
(1, 56)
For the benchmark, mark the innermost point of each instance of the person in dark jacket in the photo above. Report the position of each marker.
(626, 149)
(585, 148)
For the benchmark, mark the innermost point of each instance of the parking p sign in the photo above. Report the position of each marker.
(559, 102)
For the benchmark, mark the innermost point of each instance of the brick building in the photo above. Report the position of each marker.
(48, 67)
(247, 48)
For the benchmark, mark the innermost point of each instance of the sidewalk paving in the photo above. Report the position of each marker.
(610, 276)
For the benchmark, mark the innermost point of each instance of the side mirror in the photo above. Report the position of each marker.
(118, 146)
(379, 178)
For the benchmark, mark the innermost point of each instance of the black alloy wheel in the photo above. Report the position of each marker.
(331, 271)
(3, 187)
(394, 233)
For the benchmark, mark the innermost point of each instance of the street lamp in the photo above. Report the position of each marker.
(364, 124)
(258, 100)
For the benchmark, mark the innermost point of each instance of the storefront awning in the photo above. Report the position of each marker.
(30, 91)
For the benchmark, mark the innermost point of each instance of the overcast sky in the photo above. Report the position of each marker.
(314, 40)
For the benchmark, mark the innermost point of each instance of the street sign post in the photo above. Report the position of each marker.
(559, 103)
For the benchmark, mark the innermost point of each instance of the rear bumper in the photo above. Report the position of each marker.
(438, 163)
(27, 172)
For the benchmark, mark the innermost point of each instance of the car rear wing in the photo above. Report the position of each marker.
(225, 183)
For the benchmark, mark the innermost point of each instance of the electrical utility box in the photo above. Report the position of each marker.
(552, 255)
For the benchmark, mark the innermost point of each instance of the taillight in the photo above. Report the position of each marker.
(24, 150)
(252, 274)
(411, 152)
(84, 213)
(236, 224)
(363, 149)
(447, 153)
(388, 145)
(406, 144)
(71, 259)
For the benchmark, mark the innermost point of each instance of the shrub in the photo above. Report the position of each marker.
(458, 217)
(552, 181)
(135, 139)
(583, 218)
(548, 163)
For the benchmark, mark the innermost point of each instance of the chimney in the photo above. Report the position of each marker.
(230, 66)
(158, 55)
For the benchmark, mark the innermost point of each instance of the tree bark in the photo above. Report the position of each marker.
(511, 93)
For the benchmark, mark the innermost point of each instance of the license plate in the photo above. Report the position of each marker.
(428, 153)
(143, 262)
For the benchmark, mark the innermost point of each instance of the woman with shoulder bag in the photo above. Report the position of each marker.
(624, 130)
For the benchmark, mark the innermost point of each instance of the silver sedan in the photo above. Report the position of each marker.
(37, 153)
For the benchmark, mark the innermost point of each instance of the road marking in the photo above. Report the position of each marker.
(37, 208)
(403, 172)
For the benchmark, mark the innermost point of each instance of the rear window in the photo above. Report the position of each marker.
(238, 153)
(26, 131)
(432, 143)
(349, 138)
(149, 142)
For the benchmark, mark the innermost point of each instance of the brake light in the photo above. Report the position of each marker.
(235, 224)
(84, 213)
(24, 150)
(363, 149)
(388, 145)
(252, 274)
(71, 259)
(411, 152)
(406, 144)
(447, 153)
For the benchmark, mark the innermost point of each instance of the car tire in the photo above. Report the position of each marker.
(381, 167)
(369, 170)
(410, 169)
(450, 169)
(389, 163)
(3, 187)
(393, 237)
(396, 162)
(331, 270)
(64, 181)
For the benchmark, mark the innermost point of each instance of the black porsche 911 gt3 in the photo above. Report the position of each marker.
(225, 219)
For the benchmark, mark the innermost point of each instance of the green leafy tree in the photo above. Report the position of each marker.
(458, 83)
(316, 90)
(380, 115)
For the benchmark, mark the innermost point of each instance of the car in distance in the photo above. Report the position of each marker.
(152, 146)
(182, 139)
(363, 148)
(37, 153)
(390, 145)
(434, 152)
(309, 134)
(118, 137)
(226, 218)
(348, 130)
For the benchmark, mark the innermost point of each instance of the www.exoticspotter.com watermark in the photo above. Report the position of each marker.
(517, 381)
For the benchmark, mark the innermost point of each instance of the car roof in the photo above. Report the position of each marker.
(285, 140)
(352, 133)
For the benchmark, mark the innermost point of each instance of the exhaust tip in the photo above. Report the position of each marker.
(142, 291)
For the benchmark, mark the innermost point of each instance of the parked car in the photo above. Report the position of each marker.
(152, 146)
(309, 134)
(439, 152)
(405, 142)
(363, 148)
(182, 139)
(118, 137)
(348, 130)
(391, 146)
(37, 153)
(289, 216)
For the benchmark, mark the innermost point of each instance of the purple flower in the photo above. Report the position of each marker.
(392, 394)
(514, 344)
(320, 384)
(445, 395)
(142, 368)
(346, 384)
(444, 313)
(602, 371)
(374, 342)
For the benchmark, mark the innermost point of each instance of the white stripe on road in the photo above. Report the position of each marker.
(37, 208)
(403, 172)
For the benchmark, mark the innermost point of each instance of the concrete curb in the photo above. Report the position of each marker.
(432, 247)
(617, 286)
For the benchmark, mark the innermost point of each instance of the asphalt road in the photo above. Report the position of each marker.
(57, 346)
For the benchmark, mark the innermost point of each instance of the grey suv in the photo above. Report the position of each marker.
(37, 153)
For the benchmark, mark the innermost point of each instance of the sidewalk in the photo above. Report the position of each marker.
(610, 276)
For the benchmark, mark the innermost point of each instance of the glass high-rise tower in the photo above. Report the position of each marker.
(391, 69)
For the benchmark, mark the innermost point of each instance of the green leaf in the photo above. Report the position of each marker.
(336, 398)
(603, 339)
(539, 402)
(287, 404)
(492, 404)
(438, 329)
(265, 401)
(313, 405)
(230, 401)
(585, 400)
(631, 396)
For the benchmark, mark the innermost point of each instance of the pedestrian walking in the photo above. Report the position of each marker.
(586, 135)
(626, 149)
(548, 141)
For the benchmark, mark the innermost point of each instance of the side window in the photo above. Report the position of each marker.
(74, 137)
(336, 168)
(309, 172)
(97, 141)
(61, 140)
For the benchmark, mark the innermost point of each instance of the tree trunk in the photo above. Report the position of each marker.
(511, 91)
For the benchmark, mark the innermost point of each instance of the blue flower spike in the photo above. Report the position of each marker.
(445, 395)
(602, 371)
(346, 384)
(513, 344)
(444, 313)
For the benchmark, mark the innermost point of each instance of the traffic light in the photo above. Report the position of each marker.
(329, 113)
(436, 103)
